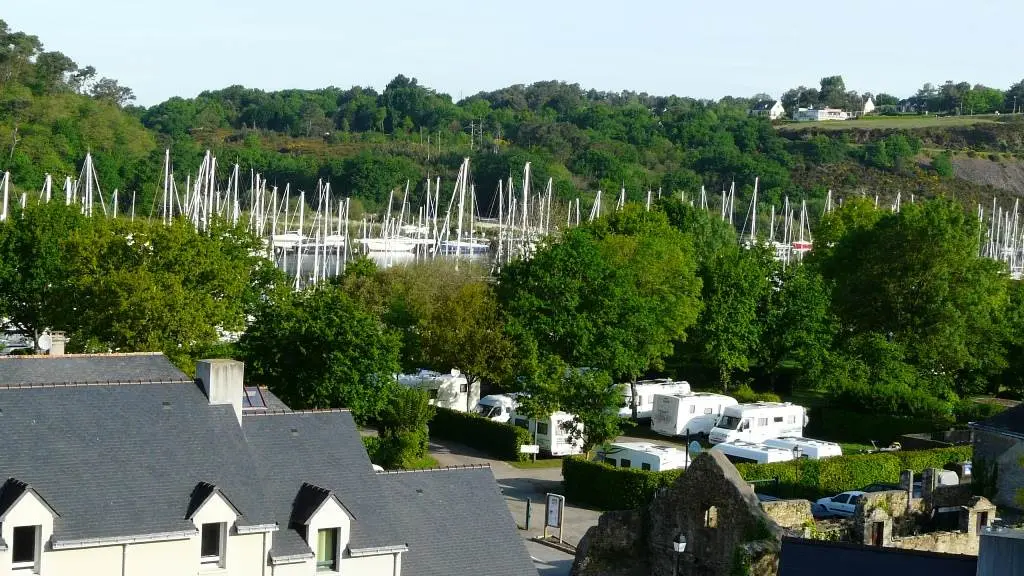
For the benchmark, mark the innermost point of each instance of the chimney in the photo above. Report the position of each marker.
(57, 342)
(222, 382)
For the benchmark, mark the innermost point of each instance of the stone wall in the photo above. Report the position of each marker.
(791, 514)
(614, 547)
(1005, 454)
(945, 542)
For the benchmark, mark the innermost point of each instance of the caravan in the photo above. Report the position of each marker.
(759, 421)
(497, 407)
(645, 392)
(451, 391)
(687, 414)
(643, 456)
(552, 433)
(740, 451)
(808, 447)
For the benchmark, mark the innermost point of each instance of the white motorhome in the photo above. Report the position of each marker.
(759, 421)
(645, 392)
(497, 407)
(551, 433)
(808, 447)
(451, 391)
(740, 451)
(688, 414)
(643, 456)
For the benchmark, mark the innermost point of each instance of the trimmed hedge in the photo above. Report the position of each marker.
(839, 425)
(497, 439)
(608, 488)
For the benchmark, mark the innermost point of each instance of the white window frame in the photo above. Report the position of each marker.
(218, 561)
(34, 562)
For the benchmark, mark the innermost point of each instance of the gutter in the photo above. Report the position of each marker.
(115, 540)
(290, 558)
(377, 551)
(256, 528)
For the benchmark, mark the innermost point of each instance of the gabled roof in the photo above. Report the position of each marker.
(800, 557)
(324, 450)
(88, 369)
(308, 502)
(122, 461)
(764, 105)
(1010, 420)
(13, 490)
(201, 495)
(455, 521)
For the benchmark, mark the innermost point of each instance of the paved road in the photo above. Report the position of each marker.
(549, 562)
(518, 485)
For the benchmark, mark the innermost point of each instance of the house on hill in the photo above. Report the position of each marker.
(820, 114)
(123, 465)
(771, 109)
(999, 456)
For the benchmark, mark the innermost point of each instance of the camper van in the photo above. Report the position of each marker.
(688, 414)
(550, 433)
(451, 391)
(497, 407)
(643, 456)
(645, 392)
(741, 451)
(808, 447)
(759, 421)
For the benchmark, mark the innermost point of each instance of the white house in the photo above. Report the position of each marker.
(123, 465)
(771, 109)
(869, 107)
(820, 114)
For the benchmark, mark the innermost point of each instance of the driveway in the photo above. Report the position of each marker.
(519, 485)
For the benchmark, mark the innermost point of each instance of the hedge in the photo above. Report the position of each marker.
(608, 488)
(839, 425)
(497, 439)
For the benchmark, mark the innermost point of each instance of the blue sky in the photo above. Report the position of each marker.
(702, 49)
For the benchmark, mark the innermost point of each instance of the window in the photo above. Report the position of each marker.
(542, 428)
(762, 421)
(707, 411)
(625, 463)
(841, 499)
(211, 549)
(791, 420)
(711, 517)
(432, 393)
(521, 422)
(610, 461)
(25, 548)
(693, 408)
(778, 419)
(327, 550)
(463, 388)
(645, 466)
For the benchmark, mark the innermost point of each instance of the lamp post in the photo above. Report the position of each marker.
(797, 453)
(679, 546)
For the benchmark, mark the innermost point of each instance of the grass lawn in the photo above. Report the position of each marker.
(852, 448)
(540, 463)
(886, 122)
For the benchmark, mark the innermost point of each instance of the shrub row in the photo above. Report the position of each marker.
(497, 439)
(845, 425)
(608, 488)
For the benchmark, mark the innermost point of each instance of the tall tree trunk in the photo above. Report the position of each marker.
(632, 399)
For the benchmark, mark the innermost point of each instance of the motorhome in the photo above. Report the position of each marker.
(807, 447)
(552, 434)
(451, 391)
(688, 414)
(645, 392)
(759, 421)
(497, 407)
(643, 456)
(741, 451)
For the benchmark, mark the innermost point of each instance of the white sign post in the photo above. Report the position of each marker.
(553, 514)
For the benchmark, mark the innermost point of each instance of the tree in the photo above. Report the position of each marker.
(108, 90)
(800, 327)
(833, 92)
(403, 427)
(464, 331)
(943, 165)
(587, 395)
(320, 349)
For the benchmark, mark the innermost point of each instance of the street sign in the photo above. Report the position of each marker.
(529, 449)
(553, 513)
(694, 449)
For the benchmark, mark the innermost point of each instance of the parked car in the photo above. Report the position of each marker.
(839, 505)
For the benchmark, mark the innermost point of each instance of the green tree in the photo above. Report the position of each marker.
(943, 165)
(799, 328)
(403, 428)
(321, 349)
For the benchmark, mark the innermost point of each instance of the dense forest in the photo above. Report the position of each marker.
(365, 142)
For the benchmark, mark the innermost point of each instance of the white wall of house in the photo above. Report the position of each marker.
(384, 564)
(28, 510)
(307, 568)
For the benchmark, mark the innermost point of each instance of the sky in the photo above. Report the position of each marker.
(703, 49)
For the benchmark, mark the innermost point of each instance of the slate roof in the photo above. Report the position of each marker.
(88, 368)
(801, 557)
(455, 521)
(123, 460)
(764, 105)
(1010, 420)
(322, 449)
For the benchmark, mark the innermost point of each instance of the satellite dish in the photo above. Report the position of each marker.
(694, 449)
(44, 342)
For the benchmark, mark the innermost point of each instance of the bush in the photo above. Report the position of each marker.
(497, 439)
(841, 425)
(608, 488)
(373, 447)
(745, 394)
(967, 410)
(605, 487)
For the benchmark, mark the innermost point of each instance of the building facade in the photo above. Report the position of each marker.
(819, 114)
(771, 109)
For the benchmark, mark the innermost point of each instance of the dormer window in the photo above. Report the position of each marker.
(327, 550)
(211, 553)
(25, 548)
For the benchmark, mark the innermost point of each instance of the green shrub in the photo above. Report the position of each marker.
(373, 447)
(970, 411)
(841, 425)
(608, 488)
(497, 439)
(745, 394)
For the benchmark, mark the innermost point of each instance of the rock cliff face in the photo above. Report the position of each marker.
(710, 508)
